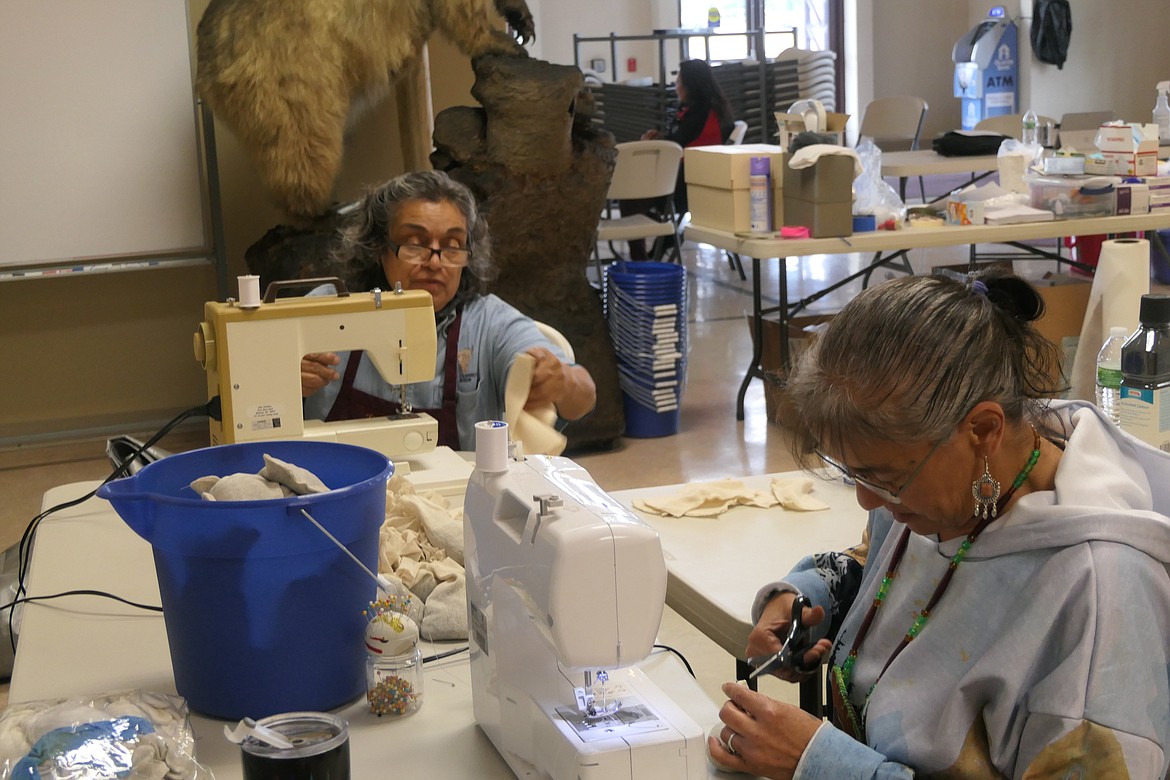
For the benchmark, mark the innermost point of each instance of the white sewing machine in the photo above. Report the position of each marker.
(252, 353)
(565, 590)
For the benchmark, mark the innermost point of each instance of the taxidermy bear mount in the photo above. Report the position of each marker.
(289, 77)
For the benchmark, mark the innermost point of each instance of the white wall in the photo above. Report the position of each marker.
(1117, 52)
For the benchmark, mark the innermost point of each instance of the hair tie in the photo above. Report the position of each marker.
(979, 287)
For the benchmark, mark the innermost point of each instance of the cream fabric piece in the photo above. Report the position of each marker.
(241, 487)
(711, 499)
(793, 493)
(277, 479)
(299, 480)
(421, 546)
(534, 427)
(807, 157)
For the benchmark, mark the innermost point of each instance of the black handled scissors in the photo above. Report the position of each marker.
(796, 644)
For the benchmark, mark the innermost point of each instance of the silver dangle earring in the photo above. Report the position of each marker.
(986, 493)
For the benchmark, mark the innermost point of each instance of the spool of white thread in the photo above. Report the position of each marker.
(249, 291)
(491, 446)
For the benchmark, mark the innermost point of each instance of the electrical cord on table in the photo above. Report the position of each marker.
(681, 657)
(447, 654)
(211, 408)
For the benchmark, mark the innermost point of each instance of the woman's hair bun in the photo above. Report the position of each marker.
(1014, 296)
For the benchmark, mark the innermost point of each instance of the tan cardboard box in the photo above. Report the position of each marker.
(730, 210)
(718, 179)
(821, 197)
(728, 167)
(802, 331)
(792, 124)
(1065, 300)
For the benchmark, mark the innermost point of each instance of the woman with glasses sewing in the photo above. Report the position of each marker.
(424, 231)
(1009, 612)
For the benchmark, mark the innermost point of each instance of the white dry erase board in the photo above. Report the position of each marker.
(99, 151)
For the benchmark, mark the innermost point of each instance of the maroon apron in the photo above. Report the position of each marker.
(354, 404)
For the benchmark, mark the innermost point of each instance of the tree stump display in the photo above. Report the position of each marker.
(541, 172)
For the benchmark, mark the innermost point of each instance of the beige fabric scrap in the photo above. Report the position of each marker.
(793, 493)
(708, 499)
(535, 427)
(421, 545)
(711, 499)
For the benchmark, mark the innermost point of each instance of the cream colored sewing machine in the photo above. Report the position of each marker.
(252, 355)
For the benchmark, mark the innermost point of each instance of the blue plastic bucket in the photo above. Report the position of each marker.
(263, 612)
(643, 422)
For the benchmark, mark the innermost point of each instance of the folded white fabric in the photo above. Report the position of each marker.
(277, 479)
(534, 427)
(421, 546)
(808, 156)
(711, 499)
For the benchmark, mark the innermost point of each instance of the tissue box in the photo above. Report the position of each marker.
(1126, 150)
(792, 124)
(718, 180)
(821, 197)
(1132, 199)
(1072, 197)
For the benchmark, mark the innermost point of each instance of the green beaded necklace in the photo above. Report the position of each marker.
(842, 675)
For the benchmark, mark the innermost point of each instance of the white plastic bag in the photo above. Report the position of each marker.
(1013, 160)
(872, 195)
(142, 734)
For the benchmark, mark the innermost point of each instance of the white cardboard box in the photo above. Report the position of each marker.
(1133, 199)
(1129, 149)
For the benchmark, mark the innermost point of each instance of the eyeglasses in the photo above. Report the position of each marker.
(450, 256)
(882, 492)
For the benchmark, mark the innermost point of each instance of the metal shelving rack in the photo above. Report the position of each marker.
(627, 110)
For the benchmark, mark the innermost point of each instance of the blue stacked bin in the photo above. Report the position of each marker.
(646, 307)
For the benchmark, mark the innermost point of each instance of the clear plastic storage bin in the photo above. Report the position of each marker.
(1072, 197)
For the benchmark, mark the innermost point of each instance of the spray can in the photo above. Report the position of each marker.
(1144, 408)
(760, 194)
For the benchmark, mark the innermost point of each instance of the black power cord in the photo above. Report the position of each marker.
(210, 408)
(681, 657)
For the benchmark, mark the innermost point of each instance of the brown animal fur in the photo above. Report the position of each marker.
(286, 75)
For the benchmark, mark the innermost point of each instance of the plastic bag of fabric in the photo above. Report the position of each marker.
(1013, 161)
(872, 194)
(141, 734)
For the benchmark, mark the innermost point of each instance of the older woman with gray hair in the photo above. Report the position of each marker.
(1009, 612)
(424, 231)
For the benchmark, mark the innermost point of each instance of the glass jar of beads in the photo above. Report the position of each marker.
(394, 680)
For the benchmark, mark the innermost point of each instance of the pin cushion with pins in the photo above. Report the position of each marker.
(394, 684)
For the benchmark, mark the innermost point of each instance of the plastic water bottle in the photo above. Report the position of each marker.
(1145, 375)
(1030, 134)
(1109, 373)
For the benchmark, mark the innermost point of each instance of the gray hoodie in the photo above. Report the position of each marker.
(1049, 652)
